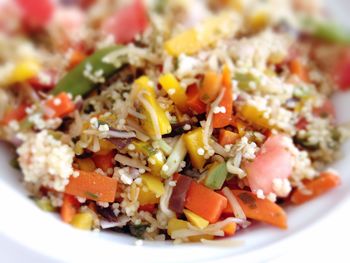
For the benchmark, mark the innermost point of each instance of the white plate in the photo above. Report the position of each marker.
(28, 233)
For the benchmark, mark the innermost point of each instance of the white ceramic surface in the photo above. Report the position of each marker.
(28, 233)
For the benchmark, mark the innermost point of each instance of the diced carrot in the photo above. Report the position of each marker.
(298, 69)
(105, 161)
(315, 188)
(259, 209)
(227, 137)
(205, 202)
(193, 100)
(76, 57)
(16, 114)
(210, 87)
(230, 229)
(60, 105)
(69, 208)
(92, 186)
(223, 119)
(147, 208)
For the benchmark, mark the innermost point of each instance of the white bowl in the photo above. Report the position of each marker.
(27, 233)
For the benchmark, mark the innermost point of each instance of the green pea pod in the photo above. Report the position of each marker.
(328, 31)
(75, 83)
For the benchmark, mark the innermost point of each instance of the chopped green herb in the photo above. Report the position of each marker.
(92, 195)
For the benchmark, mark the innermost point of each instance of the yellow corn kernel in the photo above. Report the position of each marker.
(193, 40)
(105, 147)
(195, 219)
(153, 183)
(174, 90)
(259, 19)
(156, 162)
(147, 197)
(25, 70)
(176, 224)
(86, 165)
(255, 116)
(45, 204)
(194, 144)
(146, 94)
(82, 221)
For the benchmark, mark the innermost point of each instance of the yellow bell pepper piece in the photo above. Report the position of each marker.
(194, 142)
(150, 106)
(144, 147)
(259, 19)
(82, 221)
(156, 162)
(25, 70)
(176, 224)
(255, 116)
(195, 219)
(153, 183)
(105, 147)
(195, 39)
(175, 91)
(147, 197)
(86, 165)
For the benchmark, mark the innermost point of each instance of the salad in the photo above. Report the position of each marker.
(172, 120)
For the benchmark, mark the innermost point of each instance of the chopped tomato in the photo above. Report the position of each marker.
(342, 72)
(301, 124)
(127, 22)
(194, 102)
(45, 80)
(273, 161)
(327, 110)
(16, 114)
(60, 105)
(36, 14)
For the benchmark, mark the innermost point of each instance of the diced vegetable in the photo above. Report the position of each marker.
(195, 143)
(176, 224)
(36, 14)
(147, 208)
(223, 119)
(76, 58)
(69, 208)
(205, 202)
(298, 69)
(154, 184)
(255, 116)
(259, 19)
(193, 100)
(156, 122)
(105, 161)
(24, 70)
(147, 197)
(259, 209)
(44, 80)
(178, 196)
(314, 188)
(82, 221)
(16, 114)
(342, 72)
(328, 31)
(60, 105)
(175, 158)
(273, 161)
(45, 205)
(246, 80)
(175, 91)
(156, 162)
(76, 83)
(166, 148)
(92, 186)
(144, 147)
(230, 229)
(106, 147)
(210, 87)
(127, 22)
(227, 137)
(194, 39)
(195, 219)
(216, 176)
(86, 165)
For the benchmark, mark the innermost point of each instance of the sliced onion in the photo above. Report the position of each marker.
(106, 224)
(164, 200)
(218, 149)
(130, 162)
(120, 134)
(236, 208)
